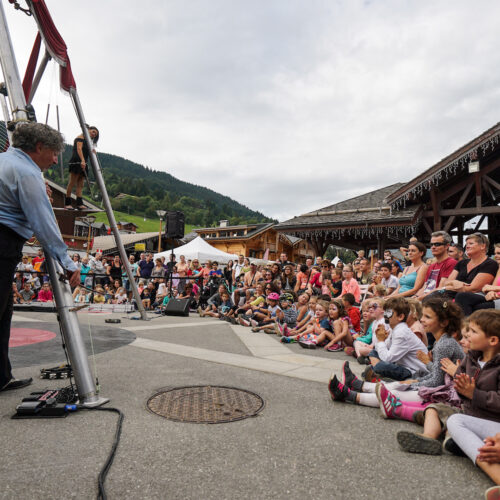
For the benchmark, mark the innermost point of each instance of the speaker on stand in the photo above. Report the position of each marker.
(174, 230)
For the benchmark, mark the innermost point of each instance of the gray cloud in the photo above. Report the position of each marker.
(285, 106)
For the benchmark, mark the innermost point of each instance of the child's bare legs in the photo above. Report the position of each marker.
(432, 424)
(362, 349)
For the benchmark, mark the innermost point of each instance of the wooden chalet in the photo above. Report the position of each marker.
(260, 241)
(463, 186)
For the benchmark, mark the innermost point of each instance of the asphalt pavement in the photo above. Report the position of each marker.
(301, 445)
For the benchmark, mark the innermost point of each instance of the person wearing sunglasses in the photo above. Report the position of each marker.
(439, 271)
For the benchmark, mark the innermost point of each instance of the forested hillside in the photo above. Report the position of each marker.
(148, 190)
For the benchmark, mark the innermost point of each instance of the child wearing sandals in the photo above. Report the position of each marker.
(477, 383)
(286, 317)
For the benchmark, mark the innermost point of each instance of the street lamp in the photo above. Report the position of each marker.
(161, 214)
(89, 220)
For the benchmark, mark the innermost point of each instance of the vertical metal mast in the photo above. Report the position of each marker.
(64, 300)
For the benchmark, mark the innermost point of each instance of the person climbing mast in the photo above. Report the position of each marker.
(77, 168)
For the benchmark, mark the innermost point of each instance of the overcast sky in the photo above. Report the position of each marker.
(286, 106)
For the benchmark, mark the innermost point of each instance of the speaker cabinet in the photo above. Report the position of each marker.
(177, 307)
(175, 224)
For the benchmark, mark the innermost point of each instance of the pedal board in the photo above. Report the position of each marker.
(46, 404)
(56, 372)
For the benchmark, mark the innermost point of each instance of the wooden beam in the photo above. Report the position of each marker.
(436, 205)
(480, 221)
(477, 184)
(459, 205)
(460, 185)
(427, 226)
(488, 179)
(473, 211)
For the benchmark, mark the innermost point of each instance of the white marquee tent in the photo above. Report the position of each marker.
(198, 249)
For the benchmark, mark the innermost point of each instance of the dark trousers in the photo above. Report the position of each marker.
(11, 246)
(470, 302)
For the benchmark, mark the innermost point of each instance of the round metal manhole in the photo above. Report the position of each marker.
(205, 404)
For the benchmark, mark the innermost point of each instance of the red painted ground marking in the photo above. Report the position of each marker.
(26, 336)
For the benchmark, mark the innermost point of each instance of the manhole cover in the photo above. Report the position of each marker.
(205, 404)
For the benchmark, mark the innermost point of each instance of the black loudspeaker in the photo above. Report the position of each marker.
(175, 225)
(177, 307)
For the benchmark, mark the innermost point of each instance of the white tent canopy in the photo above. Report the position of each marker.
(198, 249)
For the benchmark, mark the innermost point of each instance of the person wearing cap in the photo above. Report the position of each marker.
(265, 317)
(25, 209)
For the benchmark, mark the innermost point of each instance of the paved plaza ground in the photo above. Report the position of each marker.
(302, 445)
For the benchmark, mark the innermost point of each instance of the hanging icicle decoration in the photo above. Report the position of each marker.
(449, 170)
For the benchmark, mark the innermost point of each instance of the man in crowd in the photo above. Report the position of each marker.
(438, 271)
(238, 267)
(456, 251)
(97, 268)
(283, 261)
(38, 260)
(24, 267)
(366, 276)
(25, 209)
(145, 267)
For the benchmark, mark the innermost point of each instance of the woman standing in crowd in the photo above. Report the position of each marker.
(77, 168)
(413, 277)
(114, 270)
(228, 275)
(182, 270)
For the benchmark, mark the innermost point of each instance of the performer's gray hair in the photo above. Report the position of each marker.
(27, 135)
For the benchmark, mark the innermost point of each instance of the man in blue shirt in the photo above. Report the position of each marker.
(25, 209)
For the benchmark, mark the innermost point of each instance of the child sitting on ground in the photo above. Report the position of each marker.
(265, 317)
(477, 383)
(319, 331)
(414, 318)
(341, 326)
(352, 311)
(363, 345)
(286, 317)
(308, 319)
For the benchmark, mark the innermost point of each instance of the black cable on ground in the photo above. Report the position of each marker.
(105, 469)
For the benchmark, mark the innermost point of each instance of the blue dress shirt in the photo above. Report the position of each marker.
(25, 207)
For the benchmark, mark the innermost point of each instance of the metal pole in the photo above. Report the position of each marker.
(10, 72)
(70, 327)
(77, 353)
(60, 154)
(159, 238)
(39, 73)
(107, 204)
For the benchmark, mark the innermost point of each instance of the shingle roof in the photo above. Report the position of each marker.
(108, 242)
(368, 207)
(256, 229)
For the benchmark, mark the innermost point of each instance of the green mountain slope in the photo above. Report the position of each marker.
(142, 191)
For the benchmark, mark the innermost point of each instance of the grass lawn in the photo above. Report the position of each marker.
(143, 226)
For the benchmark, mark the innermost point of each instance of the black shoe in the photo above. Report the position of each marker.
(338, 391)
(16, 384)
(348, 377)
(451, 447)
